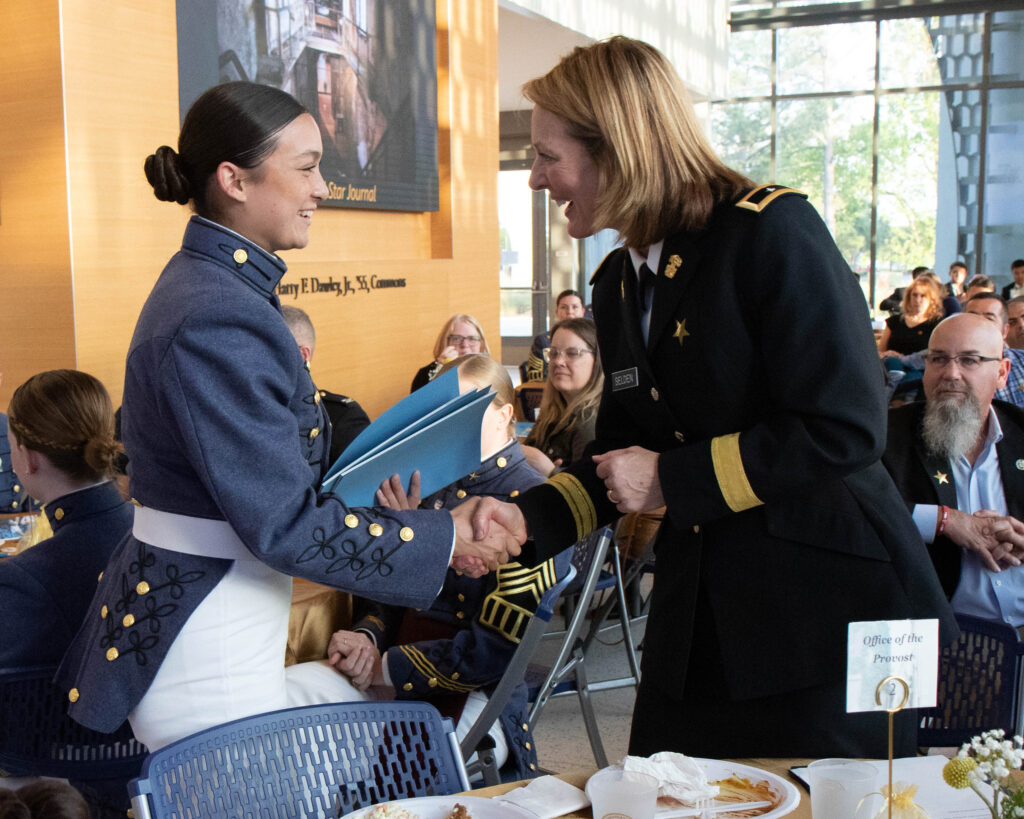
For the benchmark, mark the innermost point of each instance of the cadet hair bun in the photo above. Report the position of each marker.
(164, 172)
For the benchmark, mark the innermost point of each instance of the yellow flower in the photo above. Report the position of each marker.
(955, 772)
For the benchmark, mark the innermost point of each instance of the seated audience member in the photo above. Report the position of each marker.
(455, 652)
(347, 418)
(893, 303)
(979, 284)
(954, 459)
(950, 304)
(922, 311)
(990, 306)
(461, 335)
(61, 434)
(568, 409)
(12, 494)
(957, 280)
(569, 304)
(1015, 323)
(1016, 287)
(47, 799)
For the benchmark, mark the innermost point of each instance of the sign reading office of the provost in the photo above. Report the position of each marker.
(366, 71)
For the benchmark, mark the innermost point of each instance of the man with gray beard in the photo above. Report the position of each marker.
(957, 459)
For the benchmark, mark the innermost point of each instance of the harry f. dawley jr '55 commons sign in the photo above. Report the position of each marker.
(366, 69)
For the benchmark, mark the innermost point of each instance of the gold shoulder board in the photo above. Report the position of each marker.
(760, 198)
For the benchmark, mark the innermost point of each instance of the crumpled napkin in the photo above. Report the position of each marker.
(546, 797)
(678, 776)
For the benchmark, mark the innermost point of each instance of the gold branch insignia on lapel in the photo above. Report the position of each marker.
(622, 285)
(681, 331)
(673, 266)
(941, 477)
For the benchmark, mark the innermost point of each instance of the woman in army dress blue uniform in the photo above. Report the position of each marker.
(742, 391)
(227, 443)
(454, 653)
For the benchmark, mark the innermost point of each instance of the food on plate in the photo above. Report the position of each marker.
(740, 790)
(459, 812)
(391, 812)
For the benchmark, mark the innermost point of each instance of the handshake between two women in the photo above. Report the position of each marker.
(488, 533)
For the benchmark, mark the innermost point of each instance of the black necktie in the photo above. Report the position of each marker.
(645, 289)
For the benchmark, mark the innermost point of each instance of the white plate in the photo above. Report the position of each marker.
(788, 796)
(438, 807)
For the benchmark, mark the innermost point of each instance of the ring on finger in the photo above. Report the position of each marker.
(611, 497)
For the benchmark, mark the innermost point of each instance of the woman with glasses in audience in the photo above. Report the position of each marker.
(461, 335)
(61, 434)
(572, 393)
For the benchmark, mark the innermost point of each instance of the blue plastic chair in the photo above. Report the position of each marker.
(38, 738)
(315, 760)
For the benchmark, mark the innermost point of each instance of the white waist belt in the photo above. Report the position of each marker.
(193, 536)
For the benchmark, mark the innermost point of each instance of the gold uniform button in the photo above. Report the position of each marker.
(143, 587)
(129, 620)
(455, 675)
(111, 654)
(407, 687)
(502, 462)
(432, 682)
(376, 530)
(316, 398)
(314, 432)
(462, 598)
(680, 437)
(351, 521)
(527, 746)
(14, 504)
(103, 612)
(533, 767)
(73, 695)
(461, 615)
(99, 577)
(405, 533)
(17, 487)
(654, 393)
(460, 494)
(514, 493)
(240, 256)
(526, 726)
(696, 530)
(59, 514)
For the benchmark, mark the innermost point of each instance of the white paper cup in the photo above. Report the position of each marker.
(618, 794)
(838, 786)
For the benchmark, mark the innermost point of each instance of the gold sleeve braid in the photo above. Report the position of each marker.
(578, 501)
(420, 662)
(732, 478)
(509, 608)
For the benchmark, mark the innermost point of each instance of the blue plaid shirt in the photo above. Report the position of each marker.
(1013, 392)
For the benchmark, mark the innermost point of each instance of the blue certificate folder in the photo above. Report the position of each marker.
(434, 430)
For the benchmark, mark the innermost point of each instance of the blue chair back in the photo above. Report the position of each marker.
(315, 760)
(38, 738)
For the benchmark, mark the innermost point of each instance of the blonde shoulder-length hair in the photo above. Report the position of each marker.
(624, 101)
(484, 371)
(442, 337)
(931, 289)
(557, 414)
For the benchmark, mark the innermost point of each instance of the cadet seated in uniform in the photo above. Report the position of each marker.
(455, 652)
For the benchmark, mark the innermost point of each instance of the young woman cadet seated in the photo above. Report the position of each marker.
(455, 652)
(61, 434)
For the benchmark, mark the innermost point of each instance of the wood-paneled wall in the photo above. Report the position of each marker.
(82, 238)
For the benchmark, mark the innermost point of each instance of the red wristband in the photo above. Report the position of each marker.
(940, 526)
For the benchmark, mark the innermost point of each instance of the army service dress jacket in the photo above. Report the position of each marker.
(466, 639)
(922, 477)
(760, 389)
(221, 420)
(45, 590)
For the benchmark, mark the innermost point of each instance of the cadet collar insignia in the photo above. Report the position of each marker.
(673, 266)
(681, 331)
(942, 477)
(759, 198)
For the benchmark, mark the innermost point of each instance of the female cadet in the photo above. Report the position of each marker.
(742, 392)
(222, 424)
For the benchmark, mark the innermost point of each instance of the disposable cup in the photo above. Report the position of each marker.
(839, 787)
(618, 794)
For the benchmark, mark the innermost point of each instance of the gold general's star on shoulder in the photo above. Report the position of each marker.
(681, 331)
(941, 477)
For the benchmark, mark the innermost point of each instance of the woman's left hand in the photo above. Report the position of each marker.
(631, 476)
(354, 655)
(392, 495)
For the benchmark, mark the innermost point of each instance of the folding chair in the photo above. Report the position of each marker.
(979, 685)
(315, 760)
(528, 398)
(38, 738)
(568, 674)
(473, 742)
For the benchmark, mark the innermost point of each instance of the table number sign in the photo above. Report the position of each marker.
(904, 649)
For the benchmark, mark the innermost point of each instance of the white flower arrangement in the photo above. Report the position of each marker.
(988, 760)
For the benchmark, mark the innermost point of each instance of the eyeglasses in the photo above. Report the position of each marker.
(459, 339)
(570, 353)
(965, 362)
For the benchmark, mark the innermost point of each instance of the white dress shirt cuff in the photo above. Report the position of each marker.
(926, 517)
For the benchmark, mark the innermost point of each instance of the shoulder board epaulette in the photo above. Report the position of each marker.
(604, 263)
(760, 198)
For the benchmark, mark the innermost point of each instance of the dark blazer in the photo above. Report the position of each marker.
(760, 389)
(45, 591)
(925, 478)
(1007, 291)
(347, 418)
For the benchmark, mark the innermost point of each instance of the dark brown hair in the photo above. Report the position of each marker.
(43, 800)
(66, 415)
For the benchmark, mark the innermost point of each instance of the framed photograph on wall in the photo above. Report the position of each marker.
(365, 69)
